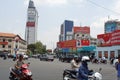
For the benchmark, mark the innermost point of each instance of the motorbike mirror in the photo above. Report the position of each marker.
(28, 62)
(100, 69)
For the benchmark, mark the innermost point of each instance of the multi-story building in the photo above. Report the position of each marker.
(32, 23)
(109, 42)
(66, 27)
(93, 41)
(77, 41)
(10, 42)
(111, 26)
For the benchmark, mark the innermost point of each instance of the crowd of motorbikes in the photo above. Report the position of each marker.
(26, 74)
(72, 75)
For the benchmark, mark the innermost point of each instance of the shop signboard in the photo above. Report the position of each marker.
(65, 49)
(3, 43)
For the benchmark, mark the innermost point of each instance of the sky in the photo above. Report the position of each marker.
(52, 13)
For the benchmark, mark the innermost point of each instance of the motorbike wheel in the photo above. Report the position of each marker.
(66, 77)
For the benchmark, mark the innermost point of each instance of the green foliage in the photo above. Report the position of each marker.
(37, 48)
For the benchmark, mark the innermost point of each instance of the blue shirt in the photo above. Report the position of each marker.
(83, 72)
(118, 69)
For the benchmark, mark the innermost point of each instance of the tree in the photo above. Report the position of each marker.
(37, 48)
(32, 48)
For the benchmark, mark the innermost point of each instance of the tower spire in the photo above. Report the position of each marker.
(31, 4)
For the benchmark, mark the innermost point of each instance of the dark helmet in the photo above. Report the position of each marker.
(20, 56)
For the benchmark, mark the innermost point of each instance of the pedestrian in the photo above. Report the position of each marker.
(117, 66)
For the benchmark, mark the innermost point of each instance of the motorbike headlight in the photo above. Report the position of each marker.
(29, 74)
(98, 76)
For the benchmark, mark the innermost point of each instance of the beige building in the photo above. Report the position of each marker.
(10, 42)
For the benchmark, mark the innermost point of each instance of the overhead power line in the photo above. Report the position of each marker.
(103, 7)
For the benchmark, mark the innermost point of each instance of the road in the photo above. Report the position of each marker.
(44, 70)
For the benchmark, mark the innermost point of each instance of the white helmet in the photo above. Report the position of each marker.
(85, 58)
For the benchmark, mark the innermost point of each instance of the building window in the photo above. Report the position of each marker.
(3, 40)
(9, 46)
(3, 46)
(10, 40)
(16, 47)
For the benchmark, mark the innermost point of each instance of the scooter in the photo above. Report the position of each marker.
(25, 73)
(69, 75)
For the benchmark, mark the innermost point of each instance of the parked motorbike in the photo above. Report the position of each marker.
(70, 75)
(25, 73)
(103, 61)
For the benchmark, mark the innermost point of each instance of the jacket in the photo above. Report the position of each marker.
(83, 71)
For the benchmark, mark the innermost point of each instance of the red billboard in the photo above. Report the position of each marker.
(30, 24)
(104, 39)
(85, 42)
(85, 30)
(115, 40)
(67, 44)
(73, 43)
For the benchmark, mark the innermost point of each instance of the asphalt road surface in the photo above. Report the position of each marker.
(46, 70)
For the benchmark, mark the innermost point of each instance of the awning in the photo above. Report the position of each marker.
(86, 48)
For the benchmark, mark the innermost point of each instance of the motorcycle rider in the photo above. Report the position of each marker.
(74, 64)
(83, 72)
(18, 64)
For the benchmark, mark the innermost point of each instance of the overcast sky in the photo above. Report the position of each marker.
(52, 13)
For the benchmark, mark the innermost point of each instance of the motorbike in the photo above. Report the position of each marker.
(25, 73)
(72, 75)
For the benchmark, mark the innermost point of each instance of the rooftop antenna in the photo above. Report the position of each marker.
(108, 17)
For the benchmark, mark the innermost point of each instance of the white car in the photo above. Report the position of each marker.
(25, 56)
(114, 62)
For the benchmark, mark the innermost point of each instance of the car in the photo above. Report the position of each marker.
(25, 56)
(46, 57)
(68, 57)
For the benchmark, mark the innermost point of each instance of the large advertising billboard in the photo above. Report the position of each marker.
(104, 39)
(115, 40)
(73, 43)
(83, 30)
(109, 39)
(30, 24)
(67, 44)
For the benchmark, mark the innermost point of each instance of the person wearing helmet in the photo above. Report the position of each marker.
(83, 72)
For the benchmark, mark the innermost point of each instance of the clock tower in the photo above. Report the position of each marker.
(31, 24)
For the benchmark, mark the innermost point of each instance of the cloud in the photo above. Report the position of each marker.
(117, 6)
(54, 2)
(49, 37)
(47, 2)
(97, 27)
